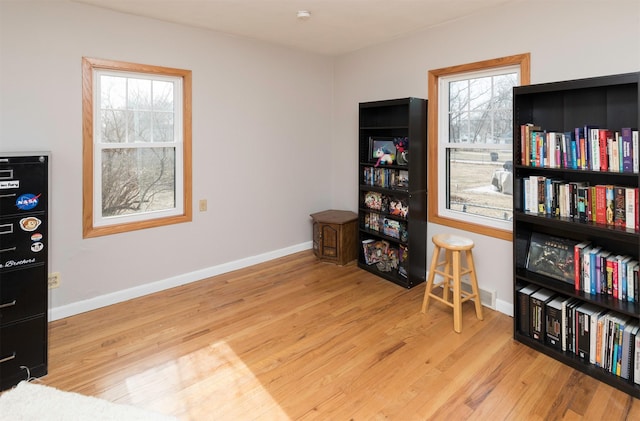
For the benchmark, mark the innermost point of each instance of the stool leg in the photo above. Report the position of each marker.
(457, 305)
(432, 273)
(474, 285)
(446, 282)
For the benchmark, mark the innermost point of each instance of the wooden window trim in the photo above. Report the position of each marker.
(522, 60)
(88, 65)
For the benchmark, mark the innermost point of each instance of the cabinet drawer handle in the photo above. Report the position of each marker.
(5, 305)
(9, 249)
(6, 229)
(9, 358)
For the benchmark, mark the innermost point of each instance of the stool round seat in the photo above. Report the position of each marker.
(452, 242)
(451, 272)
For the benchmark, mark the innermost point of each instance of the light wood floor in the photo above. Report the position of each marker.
(298, 339)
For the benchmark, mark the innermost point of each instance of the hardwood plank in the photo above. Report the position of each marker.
(300, 339)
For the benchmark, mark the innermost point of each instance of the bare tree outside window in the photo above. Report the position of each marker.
(135, 179)
(479, 150)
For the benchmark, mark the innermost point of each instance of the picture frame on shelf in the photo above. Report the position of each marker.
(382, 150)
(552, 256)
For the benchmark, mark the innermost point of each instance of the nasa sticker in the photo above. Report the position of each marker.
(27, 201)
(30, 223)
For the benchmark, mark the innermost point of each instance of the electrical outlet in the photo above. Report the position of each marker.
(54, 280)
(203, 205)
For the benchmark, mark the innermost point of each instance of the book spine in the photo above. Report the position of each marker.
(625, 146)
(635, 151)
(630, 208)
(610, 196)
(602, 142)
(620, 207)
(573, 152)
(636, 359)
(610, 261)
(614, 278)
(601, 204)
(523, 144)
(594, 143)
(615, 154)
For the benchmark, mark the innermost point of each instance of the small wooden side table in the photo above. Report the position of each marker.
(335, 236)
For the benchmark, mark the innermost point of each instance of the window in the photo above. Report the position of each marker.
(136, 146)
(470, 143)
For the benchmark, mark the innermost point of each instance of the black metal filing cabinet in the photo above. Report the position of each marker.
(23, 266)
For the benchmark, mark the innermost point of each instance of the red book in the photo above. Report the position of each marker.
(614, 278)
(610, 262)
(601, 204)
(604, 134)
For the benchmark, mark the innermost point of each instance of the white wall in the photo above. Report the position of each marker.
(274, 130)
(261, 121)
(567, 40)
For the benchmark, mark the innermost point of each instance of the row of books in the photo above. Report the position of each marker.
(606, 339)
(386, 178)
(602, 203)
(584, 148)
(599, 271)
(385, 256)
(589, 267)
(387, 204)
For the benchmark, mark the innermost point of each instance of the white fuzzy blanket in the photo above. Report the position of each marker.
(31, 402)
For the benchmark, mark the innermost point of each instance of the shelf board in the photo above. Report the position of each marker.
(384, 128)
(382, 236)
(572, 224)
(392, 276)
(550, 170)
(624, 307)
(583, 366)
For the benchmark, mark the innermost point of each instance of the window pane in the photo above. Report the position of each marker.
(139, 94)
(140, 126)
(137, 180)
(162, 96)
(480, 109)
(480, 182)
(113, 125)
(113, 92)
(163, 127)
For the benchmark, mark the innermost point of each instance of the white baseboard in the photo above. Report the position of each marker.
(504, 307)
(72, 309)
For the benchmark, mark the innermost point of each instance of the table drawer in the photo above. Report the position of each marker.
(23, 344)
(23, 293)
(23, 241)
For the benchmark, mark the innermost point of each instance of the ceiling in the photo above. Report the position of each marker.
(335, 26)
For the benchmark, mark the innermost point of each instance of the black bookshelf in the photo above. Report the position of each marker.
(384, 121)
(610, 102)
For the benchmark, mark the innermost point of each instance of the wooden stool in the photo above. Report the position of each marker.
(452, 273)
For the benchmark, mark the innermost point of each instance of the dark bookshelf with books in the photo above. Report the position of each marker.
(576, 227)
(392, 198)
